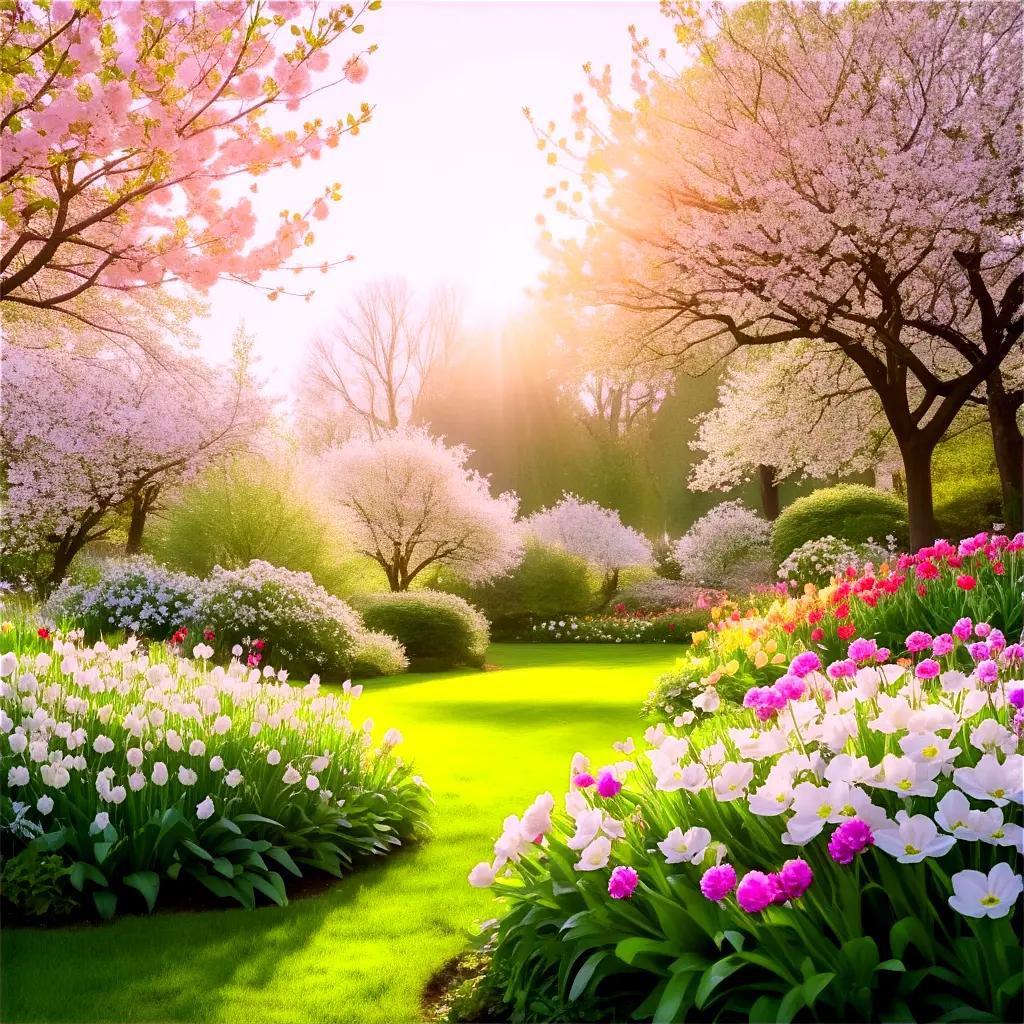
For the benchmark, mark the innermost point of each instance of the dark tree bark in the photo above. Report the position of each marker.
(142, 505)
(769, 492)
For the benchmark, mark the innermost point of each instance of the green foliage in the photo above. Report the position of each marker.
(377, 654)
(37, 884)
(965, 484)
(547, 583)
(437, 630)
(850, 512)
(249, 509)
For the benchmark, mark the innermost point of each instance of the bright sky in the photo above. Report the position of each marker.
(444, 184)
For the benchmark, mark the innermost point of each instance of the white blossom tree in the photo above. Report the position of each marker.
(409, 503)
(595, 534)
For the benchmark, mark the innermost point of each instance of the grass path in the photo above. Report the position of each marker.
(486, 742)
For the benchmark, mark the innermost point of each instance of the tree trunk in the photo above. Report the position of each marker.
(917, 467)
(769, 492)
(137, 525)
(1009, 449)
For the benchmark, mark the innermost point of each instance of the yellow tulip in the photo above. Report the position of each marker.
(779, 659)
(731, 668)
(699, 637)
(760, 659)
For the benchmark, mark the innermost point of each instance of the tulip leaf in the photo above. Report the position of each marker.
(147, 883)
(106, 903)
(714, 976)
(675, 992)
(585, 973)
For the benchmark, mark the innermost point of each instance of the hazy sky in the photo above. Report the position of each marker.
(445, 182)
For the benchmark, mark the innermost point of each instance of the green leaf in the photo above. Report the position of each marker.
(80, 871)
(585, 973)
(106, 903)
(101, 851)
(224, 867)
(271, 886)
(197, 850)
(676, 991)
(814, 986)
(791, 1003)
(629, 949)
(891, 965)
(283, 857)
(147, 883)
(714, 976)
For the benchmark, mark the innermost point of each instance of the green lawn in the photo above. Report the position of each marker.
(486, 742)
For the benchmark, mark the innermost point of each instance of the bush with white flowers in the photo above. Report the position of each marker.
(147, 771)
(843, 846)
(818, 561)
(132, 594)
(728, 548)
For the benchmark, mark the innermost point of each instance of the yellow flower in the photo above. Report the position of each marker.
(699, 636)
(731, 668)
(778, 659)
(760, 659)
(7, 627)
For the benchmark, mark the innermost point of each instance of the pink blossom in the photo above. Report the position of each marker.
(607, 785)
(716, 883)
(927, 669)
(756, 891)
(622, 882)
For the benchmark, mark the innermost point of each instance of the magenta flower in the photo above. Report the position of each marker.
(790, 688)
(607, 785)
(622, 883)
(918, 641)
(1016, 698)
(862, 649)
(882, 655)
(795, 877)
(982, 629)
(927, 669)
(804, 663)
(1015, 652)
(996, 640)
(756, 891)
(978, 651)
(841, 669)
(849, 839)
(987, 671)
(716, 883)
(583, 781)
(962, 629)
(942, 645)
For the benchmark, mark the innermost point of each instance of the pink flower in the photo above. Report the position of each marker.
(716, 883)
(862, 649)
(918, 641)
(804, 663)
(942, 644)
(927, 669)
(965, 582)
(583, 781)
(987, 671)
(607, 785)
(849, 839)
(622, 883)
(756, 891)
(882, 655)
(962, 629)
(982, 629)
(356, 70)
(795, 878)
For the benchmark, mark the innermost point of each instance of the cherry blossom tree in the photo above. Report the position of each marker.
(84, 436)
(409, 502)
(130, 128)
(845, 176)
(595, 534)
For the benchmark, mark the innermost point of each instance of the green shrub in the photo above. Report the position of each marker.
(850, 512)
(298, 624)
(965, 484)
(36, 884)
(250, 509)
(548, 583)
(437, 630)
(377, 654)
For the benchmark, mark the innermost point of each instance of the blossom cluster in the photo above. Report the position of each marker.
(820, 561)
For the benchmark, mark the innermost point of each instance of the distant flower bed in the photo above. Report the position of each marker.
(674, 625)
(126, 773)
(838, 841)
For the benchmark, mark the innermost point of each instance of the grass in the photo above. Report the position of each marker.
(486, 742)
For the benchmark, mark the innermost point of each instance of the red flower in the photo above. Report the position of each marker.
(926, 570)
(258, 645)
(788, 627)
(43, 633)
(818, 635)
(208, 635)
(966, 582)
(870, 599)
(842, 612)
(998, 568)
(815, 615)
(921, 590)
(845, 632)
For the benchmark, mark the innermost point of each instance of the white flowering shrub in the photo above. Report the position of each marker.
(296, 621)
(728, 547)
(377, 654)
(659, 594)
(147, 771)
(132, 594)
(819, 561)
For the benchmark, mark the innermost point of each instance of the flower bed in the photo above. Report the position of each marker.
(674, 626)
(140, 772)
(844, 846)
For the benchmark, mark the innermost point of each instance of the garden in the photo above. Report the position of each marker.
(647, 648)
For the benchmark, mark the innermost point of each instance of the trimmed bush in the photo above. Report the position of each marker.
(377, 654)
(131, 594)
(548, 583)
(726, 548)
(297, 623)
(437, 630)
(851, 512)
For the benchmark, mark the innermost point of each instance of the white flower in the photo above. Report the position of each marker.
(103, 744)
(8, 663)
(44, 804)
(483, 875)
(312, 783)
(197, 748)
(18, 741)
(708, 701)
(237, 650)
(595, 856)
(117, 795)
(159, 774)
(221, 725)
(320, 763)
(205, 809)
(774, 797)
(136, 781)
(990, 780)
(99, 823)
(133, 756)
(928, 748)
(732, 780)
(537, 817)
(273, 757)
(392, 738)
(186, 776)
(18, 776)
(912, 839)
(906, 777)
(989, 737)
(291, 776)
(173, 740)
(216, 763)
(233, 778)
(685, 847)
(991, 895)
